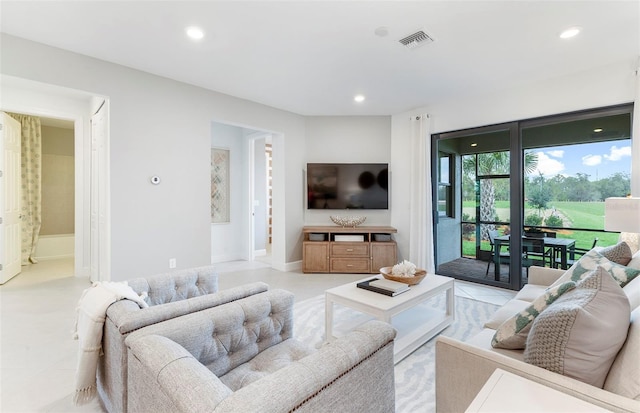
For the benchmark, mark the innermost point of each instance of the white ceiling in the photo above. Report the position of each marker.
(312, 57)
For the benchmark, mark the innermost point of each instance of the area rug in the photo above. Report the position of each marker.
(415, 375)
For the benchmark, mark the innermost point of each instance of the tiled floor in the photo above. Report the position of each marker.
(37, 315)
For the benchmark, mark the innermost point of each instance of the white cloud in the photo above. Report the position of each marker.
(591, 160)
(615, 153)
(547, 166)
(556, 153)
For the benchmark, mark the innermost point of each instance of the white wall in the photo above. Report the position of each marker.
(349, 139)
(608, 85)
(163, 127)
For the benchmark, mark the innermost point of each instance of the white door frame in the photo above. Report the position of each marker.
(252, 138)
(100, 250)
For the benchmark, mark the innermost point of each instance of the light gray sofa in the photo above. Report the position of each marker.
(169, 295)
(462, 368)
(242, 357)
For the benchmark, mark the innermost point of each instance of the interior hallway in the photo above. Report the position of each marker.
(37, 315)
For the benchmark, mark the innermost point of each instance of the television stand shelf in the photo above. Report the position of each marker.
(363, 249)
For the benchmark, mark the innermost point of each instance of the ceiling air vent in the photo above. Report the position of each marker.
(416, 39)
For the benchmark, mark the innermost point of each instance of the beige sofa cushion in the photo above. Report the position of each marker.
(632, 290)
(624, 375)
(635, 261)
(513, 332)
(530, 292)
(505, 312)
(483, 340)
(580, 334)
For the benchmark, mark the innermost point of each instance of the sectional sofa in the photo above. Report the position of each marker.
(462, 368)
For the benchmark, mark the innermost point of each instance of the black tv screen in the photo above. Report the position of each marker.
(347, 186)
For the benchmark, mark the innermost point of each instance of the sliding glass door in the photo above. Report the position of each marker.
(479, 170)
(496, 186)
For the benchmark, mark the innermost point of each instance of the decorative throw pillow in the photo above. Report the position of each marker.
(592, 260)
(512, 334)
(580, 334)
(619, 253)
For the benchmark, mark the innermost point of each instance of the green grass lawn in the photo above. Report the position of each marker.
(589, 215)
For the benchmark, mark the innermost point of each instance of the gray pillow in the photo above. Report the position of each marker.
(619, 253)
(580, 333)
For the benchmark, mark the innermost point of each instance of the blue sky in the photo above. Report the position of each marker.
(598, 160)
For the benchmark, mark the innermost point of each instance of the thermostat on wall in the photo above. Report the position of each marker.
(155, 179)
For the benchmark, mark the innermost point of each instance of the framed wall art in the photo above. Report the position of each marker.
(220, 200)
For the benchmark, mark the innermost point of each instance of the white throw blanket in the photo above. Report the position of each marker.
(91, 314)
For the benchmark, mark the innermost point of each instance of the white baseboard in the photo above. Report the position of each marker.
(292, 266)
(52, 247)
(226, 258)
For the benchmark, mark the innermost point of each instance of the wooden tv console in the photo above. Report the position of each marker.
(365, 251)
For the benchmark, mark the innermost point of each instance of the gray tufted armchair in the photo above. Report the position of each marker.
(169, 296)
(242, 357)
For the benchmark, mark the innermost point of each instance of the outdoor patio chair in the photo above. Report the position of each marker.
(534, 252)
(504, 253)
(577, 253)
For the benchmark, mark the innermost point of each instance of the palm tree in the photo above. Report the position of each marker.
(488, 164)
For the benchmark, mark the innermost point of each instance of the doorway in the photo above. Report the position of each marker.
(260, 169)
(57, 232)
(75, 108)
(246, 235)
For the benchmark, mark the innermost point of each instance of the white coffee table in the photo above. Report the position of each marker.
(415, 322)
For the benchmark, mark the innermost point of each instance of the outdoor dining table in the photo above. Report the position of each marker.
(564, 247)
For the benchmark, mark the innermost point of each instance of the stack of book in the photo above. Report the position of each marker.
(384, 286)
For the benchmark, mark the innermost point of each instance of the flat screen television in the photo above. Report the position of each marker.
(347, 186)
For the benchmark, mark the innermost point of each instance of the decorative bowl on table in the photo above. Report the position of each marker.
(348, 221)
(414, 279)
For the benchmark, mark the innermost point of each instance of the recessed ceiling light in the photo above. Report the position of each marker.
(194, 32)
(474, 144)
(381, 31)
(359, 98)
(596, 130)
(570, 32)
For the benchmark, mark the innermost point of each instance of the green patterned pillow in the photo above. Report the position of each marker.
(512, 334)
(590, 261)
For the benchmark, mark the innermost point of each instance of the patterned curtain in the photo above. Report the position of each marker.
(31, 184)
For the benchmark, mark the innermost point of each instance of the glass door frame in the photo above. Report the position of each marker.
(516, 186)
(516, 189)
